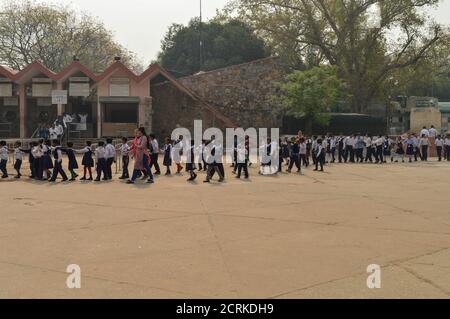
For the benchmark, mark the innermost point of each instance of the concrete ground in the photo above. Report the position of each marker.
(310, 236)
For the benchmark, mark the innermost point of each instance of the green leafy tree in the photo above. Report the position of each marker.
(310, 94)
(368, 40)
(428, 77)
(223, 44)
(53, 35)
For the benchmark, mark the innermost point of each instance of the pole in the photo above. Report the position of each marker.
(201, 38)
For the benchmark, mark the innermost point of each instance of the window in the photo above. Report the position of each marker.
(121, 113)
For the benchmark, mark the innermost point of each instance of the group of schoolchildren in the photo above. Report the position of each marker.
(357, 148)
(46, 158)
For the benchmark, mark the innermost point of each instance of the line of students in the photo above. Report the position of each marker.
(360, 149)
(46, 157)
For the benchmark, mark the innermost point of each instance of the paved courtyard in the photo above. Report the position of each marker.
(291, 236)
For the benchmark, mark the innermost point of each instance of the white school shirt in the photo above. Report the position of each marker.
(433, 132)
(124, 149)
(318, 149)
(333, 142)
(368, 141)
(374, 142)
(59, 130)
(350, 141)
(379, 141)
(18, 154)
(302, 148)
(155, 146)
(100, 152)
(4, 153)
(110, 151)
(58, 155)
(423, 141)
(447, 142)
(425, 132)
(52, 132)
(241, 153)
(36, 152)
(439, 142)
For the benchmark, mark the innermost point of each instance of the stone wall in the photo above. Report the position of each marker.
(425, 117)
(242, 92)
(173, 108)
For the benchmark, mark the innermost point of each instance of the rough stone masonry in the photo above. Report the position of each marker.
(244, 93)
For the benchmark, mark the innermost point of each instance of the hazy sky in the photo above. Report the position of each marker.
(141, 24)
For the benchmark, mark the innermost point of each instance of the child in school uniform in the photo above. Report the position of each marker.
(201, 160)
(439, 143)
(424, 144)
(280, 156)
(190, 166)
(295, 155)
(285, 146)
(3, 158)
(73, 164)
(30, 158)
(100, 155)
(177, 153)
(18, 156)
(214, 160)
(242, 161)
(341, 148)
(379, 143)
(447, 147)
(110, 156)
(46, 163)
(87, 161)
(247, 146)
(359, 148)
(124, 152)
(154, 149)
(303, 148)
(387, 151)
(266, 162)
(36, 151)
(57, 168)
(320, 153)
(398, 150)
(410, 147)
(416, 147)
(332, 143)
(369, 148)
(168, 155)
(234, 164)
